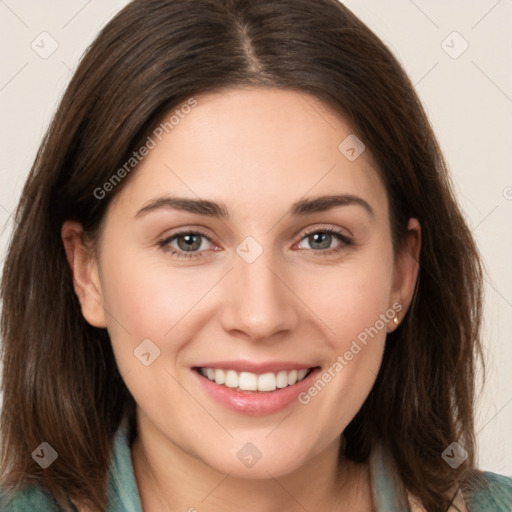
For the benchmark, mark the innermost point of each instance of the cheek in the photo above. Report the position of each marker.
(351, 297)
(147, 300)
(356, 305)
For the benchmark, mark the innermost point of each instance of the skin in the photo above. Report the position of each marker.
(257, 151)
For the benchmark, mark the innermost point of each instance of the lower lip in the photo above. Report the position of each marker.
(256, 403)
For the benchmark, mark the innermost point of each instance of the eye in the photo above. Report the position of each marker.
(321, 240)
(187, 244)
(191, 244)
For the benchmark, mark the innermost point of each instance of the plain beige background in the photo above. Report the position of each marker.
(458, 55)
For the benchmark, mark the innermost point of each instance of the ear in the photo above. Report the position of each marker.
(405, 275)
(84, 268)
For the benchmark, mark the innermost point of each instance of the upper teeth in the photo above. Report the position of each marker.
(247, 381)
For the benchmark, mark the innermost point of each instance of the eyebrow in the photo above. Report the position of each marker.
(218, 210)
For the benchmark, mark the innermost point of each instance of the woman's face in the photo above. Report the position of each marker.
(217, 261)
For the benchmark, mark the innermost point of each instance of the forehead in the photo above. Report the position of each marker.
(252, 147)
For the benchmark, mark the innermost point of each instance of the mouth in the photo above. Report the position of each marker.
(255, 390)
(248, 381)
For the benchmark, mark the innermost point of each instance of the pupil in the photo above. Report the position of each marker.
(323, 239)
(191, 242)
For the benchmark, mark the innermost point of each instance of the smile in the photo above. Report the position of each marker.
(254, 389)
(248, 381)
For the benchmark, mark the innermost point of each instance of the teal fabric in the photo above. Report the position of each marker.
(494, 496)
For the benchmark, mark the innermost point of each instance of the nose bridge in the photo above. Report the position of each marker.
(258, 303)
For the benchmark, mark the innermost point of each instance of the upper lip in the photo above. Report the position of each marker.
(257, 368)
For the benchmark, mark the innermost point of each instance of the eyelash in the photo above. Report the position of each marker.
(345, 242)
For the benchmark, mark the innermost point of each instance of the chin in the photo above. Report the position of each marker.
(258, 460)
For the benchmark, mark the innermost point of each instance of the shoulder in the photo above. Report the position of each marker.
(488, 491)
(29, 498)
(123, 491)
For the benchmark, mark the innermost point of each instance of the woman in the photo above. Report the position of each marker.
(227, 287)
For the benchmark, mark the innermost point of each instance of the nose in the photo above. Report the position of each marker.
(259, 303)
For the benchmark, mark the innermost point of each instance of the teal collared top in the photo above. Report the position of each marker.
(495, 496)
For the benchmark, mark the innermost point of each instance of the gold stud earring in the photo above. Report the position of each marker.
(395, 320)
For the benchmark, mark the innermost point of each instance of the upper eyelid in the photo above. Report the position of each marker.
(336, 230)
(305, 232)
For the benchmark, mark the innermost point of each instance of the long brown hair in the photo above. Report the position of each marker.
(60, 380)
